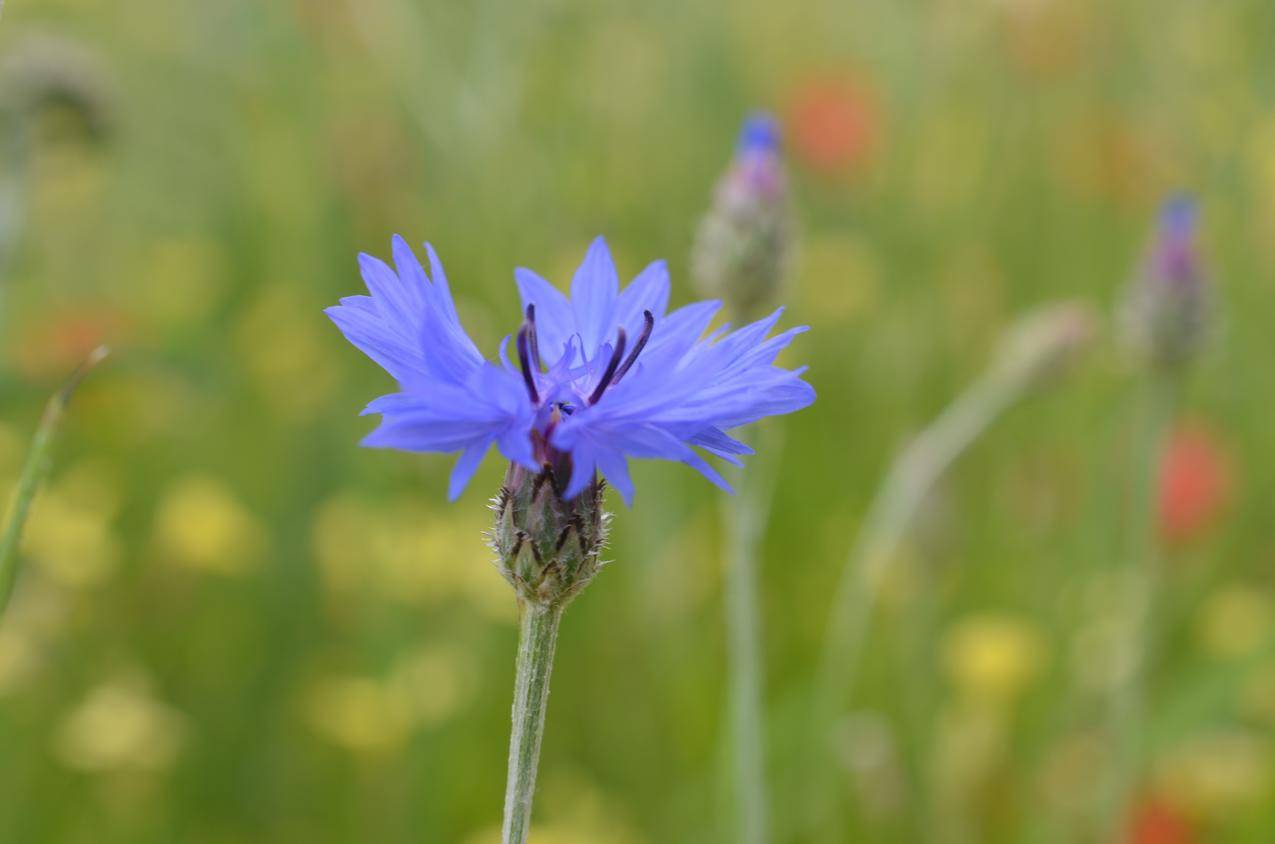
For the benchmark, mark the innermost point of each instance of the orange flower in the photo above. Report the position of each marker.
(1156, 821)
(833, 125)
(1195, 483)
(55, 342)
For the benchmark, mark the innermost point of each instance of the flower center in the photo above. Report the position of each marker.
(527, 347)
(617, 366)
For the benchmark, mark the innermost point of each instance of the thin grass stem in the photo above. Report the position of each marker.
(34, 472)
(908, 482)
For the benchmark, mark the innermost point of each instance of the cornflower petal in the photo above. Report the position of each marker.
(555, 321)
(649, 291)
(593, 293)
(617, 375)
(465, 468)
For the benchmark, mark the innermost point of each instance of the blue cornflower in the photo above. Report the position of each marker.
(1169, 308)
(1175, 257)
(601, 376)
(743, 249)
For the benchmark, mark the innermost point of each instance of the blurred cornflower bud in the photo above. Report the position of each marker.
(547, 547)
(1169, 303)
(54, 77)
(1045, 343)
(743, 247)
(46, 85)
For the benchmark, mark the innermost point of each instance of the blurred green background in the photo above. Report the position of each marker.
(234, 625)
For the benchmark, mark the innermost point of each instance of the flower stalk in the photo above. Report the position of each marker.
(537, 639)
(548, 549)
(1128, 702)
(1167, 320)
(909, 480)
(742, 253)
(746, 517)
(1036, 350)
(34, 472)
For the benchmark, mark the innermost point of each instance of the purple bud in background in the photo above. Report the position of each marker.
(760, 134)
(1175, 257)
(757, 172)
(743, 247)
(1169, 304)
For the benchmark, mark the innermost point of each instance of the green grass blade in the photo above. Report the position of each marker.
(33, 474)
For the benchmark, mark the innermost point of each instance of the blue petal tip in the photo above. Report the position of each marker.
(760, 133)
(1179, 212)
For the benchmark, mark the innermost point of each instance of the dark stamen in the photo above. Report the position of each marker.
(609, 374)
(637, 348)
(524, 360)
(533, 339)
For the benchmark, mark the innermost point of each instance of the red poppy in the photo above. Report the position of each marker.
(1195, 483)
(1159, 822)
(56, 342)
(833, 124)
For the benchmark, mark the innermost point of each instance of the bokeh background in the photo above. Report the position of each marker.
(234, 625)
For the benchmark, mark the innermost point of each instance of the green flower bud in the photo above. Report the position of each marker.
(548, 548)
(744, 243)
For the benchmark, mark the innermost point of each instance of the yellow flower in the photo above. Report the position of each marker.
(120, 726)
(571, 809)
(70, 533)
(201, 525)
(285, 348)
(435, 681)
(33, 626)
(839, 278)
(17, 658)
(992, 658)
(1218, 773)
(1257, 695)
(554, 833)
(374, 715)
(399, 551)
(1066, 777)
(360, 714)
(1234, 622)
(950, 160)
(971, 743)
(1261, 172)
(181, 280)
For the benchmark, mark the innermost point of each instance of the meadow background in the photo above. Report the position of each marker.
(234, 625)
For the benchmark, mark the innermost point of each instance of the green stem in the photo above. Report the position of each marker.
(746, 520)
(909, 481)
(537, 638)
(1128, 700)
(33, 474)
